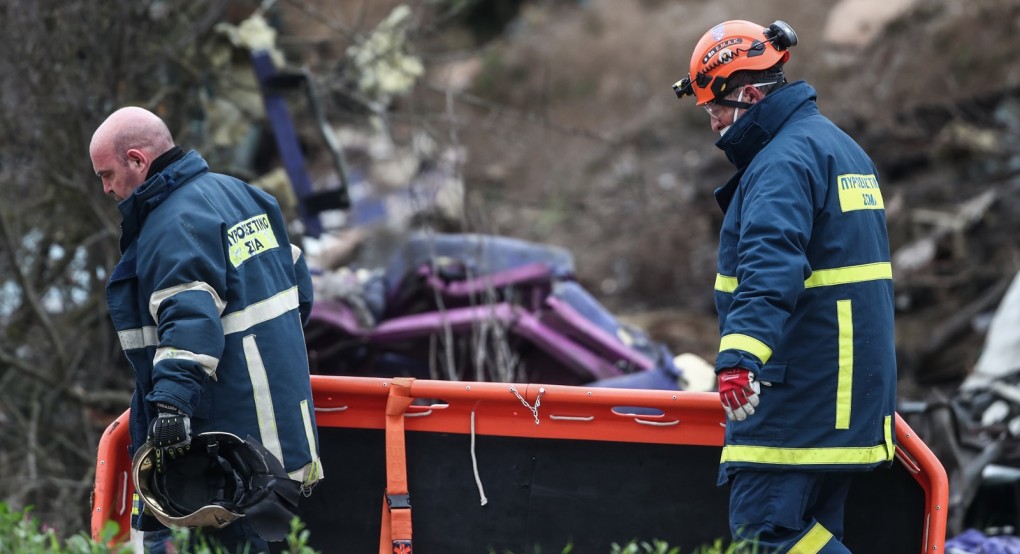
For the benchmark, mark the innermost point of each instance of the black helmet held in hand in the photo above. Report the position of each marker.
(221, 479)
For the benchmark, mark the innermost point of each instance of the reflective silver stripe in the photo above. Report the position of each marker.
(131, 339)
(208, 363)
(308, 475)
(159, 296)
(264, 411)
(235, 322)
(313, 471)
(295, 253)
(260, 312)
(306, 417)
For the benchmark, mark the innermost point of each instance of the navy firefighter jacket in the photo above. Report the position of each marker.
(209, 300)
(804, 291)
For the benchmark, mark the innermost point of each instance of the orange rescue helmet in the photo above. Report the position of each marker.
(729, 47)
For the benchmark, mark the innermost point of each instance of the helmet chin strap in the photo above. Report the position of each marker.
(736, 112)
(738, 105)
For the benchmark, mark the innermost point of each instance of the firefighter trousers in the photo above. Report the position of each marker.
(773, 512)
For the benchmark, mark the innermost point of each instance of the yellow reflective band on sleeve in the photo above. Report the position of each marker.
(812, 541)
(746, 343)
(841, 455)
(207, 363)
(159, 296)
(725, 283)
(250, 238)
(845, 381)
(859, 192)
(849, 274)
(136, 504)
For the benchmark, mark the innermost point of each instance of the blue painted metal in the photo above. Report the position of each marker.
(286, 141)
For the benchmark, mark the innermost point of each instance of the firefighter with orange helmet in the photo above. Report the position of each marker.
(804, 295)
(731, 47)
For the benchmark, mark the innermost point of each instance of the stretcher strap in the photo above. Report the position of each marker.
(395, 534)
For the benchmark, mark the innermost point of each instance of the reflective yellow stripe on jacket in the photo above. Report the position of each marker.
(825, 277)
(841, 455)
(819, 278)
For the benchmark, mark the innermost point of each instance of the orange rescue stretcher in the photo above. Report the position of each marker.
(478, 467)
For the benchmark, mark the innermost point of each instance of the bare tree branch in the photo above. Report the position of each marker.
(28, 292)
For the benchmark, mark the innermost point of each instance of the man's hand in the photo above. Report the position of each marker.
(738, 392)
(170, 435)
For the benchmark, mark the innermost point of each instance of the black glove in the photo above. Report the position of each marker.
(170, 435)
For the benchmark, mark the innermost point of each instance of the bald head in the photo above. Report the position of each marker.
(133, 127)
(125, 145)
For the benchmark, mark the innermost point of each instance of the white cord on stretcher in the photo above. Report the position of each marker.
(474, 463)
(474, 458)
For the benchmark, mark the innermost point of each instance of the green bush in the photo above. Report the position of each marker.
(654, 547)
(20, 533)
(662, 547)
(657, 547)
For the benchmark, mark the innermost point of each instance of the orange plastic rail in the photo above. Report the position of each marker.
(521, 410)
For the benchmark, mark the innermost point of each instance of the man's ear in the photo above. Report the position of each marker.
(137, 158)
(753, 94)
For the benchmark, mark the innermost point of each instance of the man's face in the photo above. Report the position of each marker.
(119, 178)
(724, 116)
(721, 116)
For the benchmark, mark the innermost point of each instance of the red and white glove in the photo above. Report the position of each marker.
(738, 392)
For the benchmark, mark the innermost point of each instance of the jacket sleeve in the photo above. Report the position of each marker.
(183, 266)
(304, 284)
(775, 228)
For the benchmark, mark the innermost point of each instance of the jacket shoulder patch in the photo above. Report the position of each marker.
(250, 238)
(859, 192)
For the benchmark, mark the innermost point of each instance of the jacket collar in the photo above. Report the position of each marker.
(761, 122)
(757, 126)
(150, 194)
